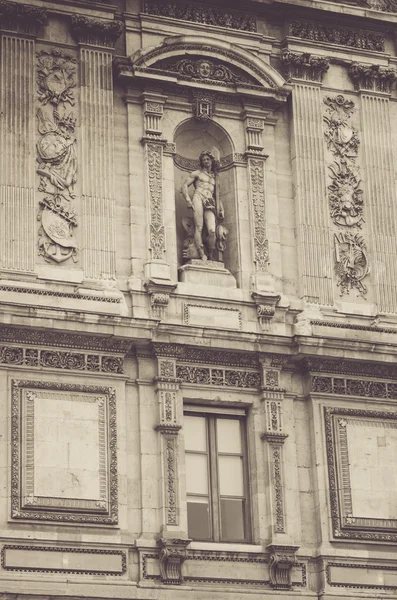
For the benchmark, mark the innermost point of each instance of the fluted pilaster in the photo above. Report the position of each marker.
(97, 180)
(315, 262)
(17, 152)
(377, 149)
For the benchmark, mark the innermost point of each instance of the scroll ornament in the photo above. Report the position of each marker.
(56, 155)
(345, 195)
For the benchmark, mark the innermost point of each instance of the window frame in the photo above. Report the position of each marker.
(211, 415)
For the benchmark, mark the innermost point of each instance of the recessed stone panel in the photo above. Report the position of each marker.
(209, 316)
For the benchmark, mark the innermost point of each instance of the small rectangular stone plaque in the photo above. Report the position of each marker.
(208, 316)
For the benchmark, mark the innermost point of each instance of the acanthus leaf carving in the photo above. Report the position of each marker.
(173, 554)
(22, 18)
(56, 155)
(94, 32)
(372, 77)
(304, 66)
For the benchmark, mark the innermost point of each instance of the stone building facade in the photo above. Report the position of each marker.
(198, 288)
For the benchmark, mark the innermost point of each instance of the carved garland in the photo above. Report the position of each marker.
(155, 169)
(345, 196)
(261, 244)
(56, 155)
(198, 13)
(111, 518)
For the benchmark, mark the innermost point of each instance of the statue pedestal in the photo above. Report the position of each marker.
(210, 272)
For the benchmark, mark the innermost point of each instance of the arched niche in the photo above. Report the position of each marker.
(191, 138)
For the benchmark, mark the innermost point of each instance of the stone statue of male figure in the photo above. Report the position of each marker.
(207, 208)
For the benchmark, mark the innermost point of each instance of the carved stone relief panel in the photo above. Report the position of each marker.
(56, 155)
(261, 243)
(155, 172)
(64, 453)
(345, 195)
(343, 36)
(361, 446)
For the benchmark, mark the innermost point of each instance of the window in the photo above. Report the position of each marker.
(216, 476)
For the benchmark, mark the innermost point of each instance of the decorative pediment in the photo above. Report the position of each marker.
(205, 62)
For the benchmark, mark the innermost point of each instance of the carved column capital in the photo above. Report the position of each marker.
(153, 110)
(173, 554)
(159, 291)
(93, 32)
(373, 78)
(304, 66)
(22, 18)
(282, 560)
(265, 307)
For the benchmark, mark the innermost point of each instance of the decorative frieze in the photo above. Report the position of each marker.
(173, 554)
(206, 356)
(343, 36)
(218, 377)
(282, 560)
(372, 77)
(24, 19)
(354, 387)
(56, 359)
(304, 66)
(340, 366)
(199, 13)
(92, 32)
(56, 155)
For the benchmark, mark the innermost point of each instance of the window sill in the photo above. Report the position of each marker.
(226, 547)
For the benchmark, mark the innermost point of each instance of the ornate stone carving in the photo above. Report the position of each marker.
(345, 524)
(155, 173)
(203, 107)
(153, 113)
(342, 36)
(350, 367)
(198, 13)
(56, 155)
(304, 66)
(173, 554)
(261, 244)
(96, 33)
(159, 291)
(354, 387)
(45, 508)
(218, 377)
(282, 559)
(372, 77)
(344, 193)
(206, 234)
(351, 262)
(206, 69)
(206, 356)
(22, 18)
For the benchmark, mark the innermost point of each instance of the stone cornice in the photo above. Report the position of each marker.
(92, 32)
(338, 366)
(21, 18)
(332, 34)
(372, 77)
(304, 66)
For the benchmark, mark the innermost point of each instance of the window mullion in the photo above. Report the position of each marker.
(214, 480)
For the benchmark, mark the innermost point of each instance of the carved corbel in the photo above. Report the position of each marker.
(159, 292)
(304, 66)
(282, 560)
(153, 113)
(92, 32)
(22, 18)
(173, 554)
(265, 307)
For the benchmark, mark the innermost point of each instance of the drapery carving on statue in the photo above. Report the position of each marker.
(206, 234)
(56, 155)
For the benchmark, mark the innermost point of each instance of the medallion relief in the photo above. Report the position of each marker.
(56, 155)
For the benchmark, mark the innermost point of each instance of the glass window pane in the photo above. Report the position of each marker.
(195, 433)
(228, 435)
(231, 476)
(196, 474)
(232, 520)
(198, 519)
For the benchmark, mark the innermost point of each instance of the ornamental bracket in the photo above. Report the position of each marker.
(159, 291)
(282, 560)
(173, 554)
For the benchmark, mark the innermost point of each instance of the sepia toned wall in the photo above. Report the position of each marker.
(107, 332)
